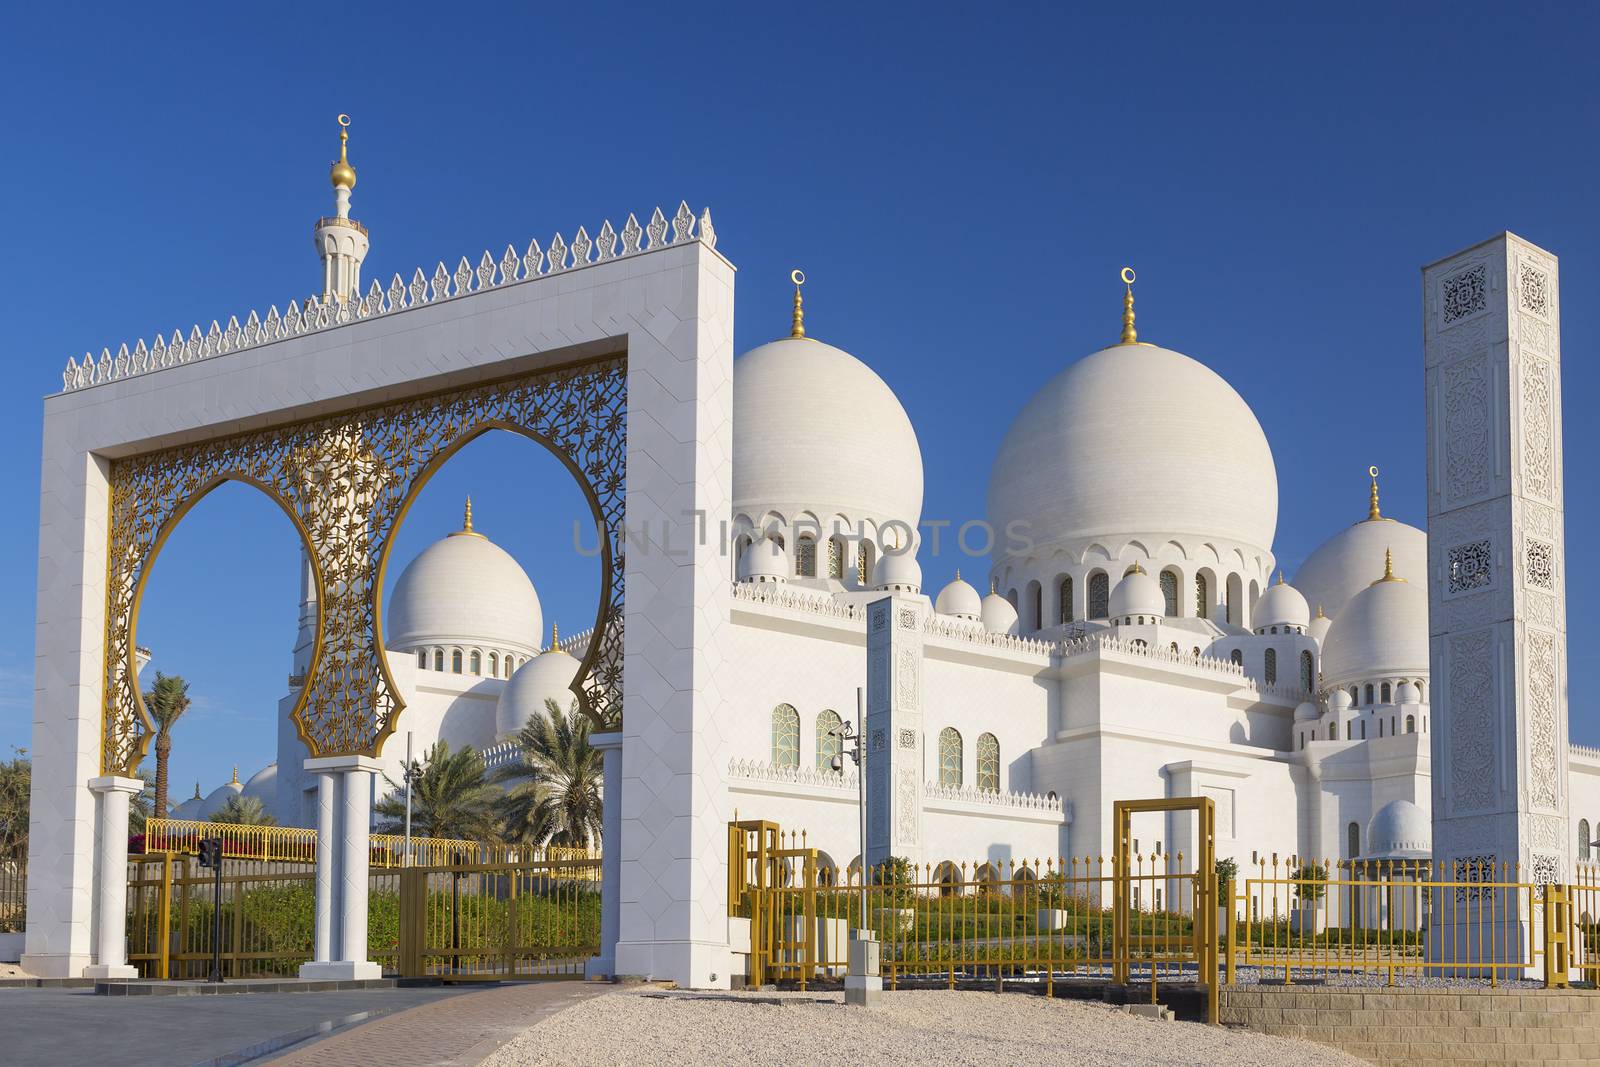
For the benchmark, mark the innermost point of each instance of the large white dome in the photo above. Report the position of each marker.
(1382, 632)
(1346, 563)
(1136, 440)
(815, 429)
(1399, 830)
(464, 590)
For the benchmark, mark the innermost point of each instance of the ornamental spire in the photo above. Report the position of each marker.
(343, 174)
(1372, 503)
(340, 240)
(797, 325)
(466, 519)
(1129, 334)
(1388, 568)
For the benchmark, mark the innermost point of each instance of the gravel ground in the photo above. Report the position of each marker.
(931, 1029)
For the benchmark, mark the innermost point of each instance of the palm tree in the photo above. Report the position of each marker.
(556, 800)
(449, 798)
(166, 703)
(244, 811)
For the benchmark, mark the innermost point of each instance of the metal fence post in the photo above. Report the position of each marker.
(164, 919)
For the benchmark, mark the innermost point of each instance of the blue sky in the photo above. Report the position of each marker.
(960, 184)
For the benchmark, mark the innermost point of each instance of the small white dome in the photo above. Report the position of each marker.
(1319, 628)
(765, 561)
(1399, 830)
(815, 429)
(219, 797)
(1339, 702)
(959, 599)
(1136, 440)
(998, 616)
(1137, 594)
(1406, 693)
(1305, 711)
(189, 809)
(1281, 605)
(1383, 630)
(899, 570)
(464, 590)
(263, 785)
(547, 676)
(1347, 562)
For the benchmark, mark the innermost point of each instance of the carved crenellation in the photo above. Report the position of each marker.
(311, 315)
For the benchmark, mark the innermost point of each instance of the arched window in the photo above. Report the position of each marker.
(829, 743)
(785, 736)
(805, 557)
(1388, 693)
(1352, 839)
(476, 662)
(1583, 841)
(510, 664)
(438, 659)
(455, 661)
(1421, 699)
(1411, 724)
(948, 879)
(1369, 692)
(864, 561)
(1011, 598)
(950, 758)
(494, 664)
(988, 763)
(1202, 592)
(1272, 666)
(835, 558)
(1236, 658)
(422, 659)
(1099, 595)
(1308, 671)
(1064, 613)
(1035, 605)
(1169, 592)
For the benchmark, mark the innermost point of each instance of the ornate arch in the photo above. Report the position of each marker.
(346, 481)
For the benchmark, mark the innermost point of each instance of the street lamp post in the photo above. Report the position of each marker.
(863, 983)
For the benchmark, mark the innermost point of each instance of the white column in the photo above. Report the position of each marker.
(895, 763)
(327, 904)
(1496, 554)
(112, 795)
(344, 840)
(678, 660)
(610, 747)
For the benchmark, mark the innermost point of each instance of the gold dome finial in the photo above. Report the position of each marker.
(343, 174)
(994, 586)
(197, 790)
(1280, 576)
(466, 521)
(555, 637)
(235, 775)
(958, 574)
(1388, 568)
(797, 326)
(1136, 568)
(1320, 615)
(1372, 503)
(1129, 334)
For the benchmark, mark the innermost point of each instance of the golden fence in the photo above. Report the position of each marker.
(13, 893)
(992, 922)
(535, 919)
(1325, 918)
(299, 844)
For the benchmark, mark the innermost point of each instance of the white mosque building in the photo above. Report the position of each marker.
(1133, 637)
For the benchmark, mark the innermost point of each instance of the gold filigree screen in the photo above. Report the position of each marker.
(346, 482)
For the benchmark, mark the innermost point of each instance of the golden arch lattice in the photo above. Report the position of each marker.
(346, 481)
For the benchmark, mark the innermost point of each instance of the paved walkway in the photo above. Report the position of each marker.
(457, 1032)
(425, 1026)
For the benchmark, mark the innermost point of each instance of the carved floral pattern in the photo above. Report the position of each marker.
(1543, 773)
(1466, 429)
(1540, 557)
(1472, 733)
(1533, 287)
(1465, 293)
(1538, 430)
(1470, 566)
(343, 479)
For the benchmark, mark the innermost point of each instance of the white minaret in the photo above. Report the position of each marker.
(1496, 600)
(341, 240)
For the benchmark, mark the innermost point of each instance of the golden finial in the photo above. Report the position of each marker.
(958, 574)
(1388, 568)
(343, 174)
(1320, 615)
(1280, 576)
(993, 586)
(1136, 569)
(235, 774)
(466, 522)
(197, 789)
(1372, 503)
(1129, 334)
(798, 327)
(555, 637)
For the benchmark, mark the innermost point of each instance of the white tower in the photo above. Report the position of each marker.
(341, 240)
(1497, 606)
